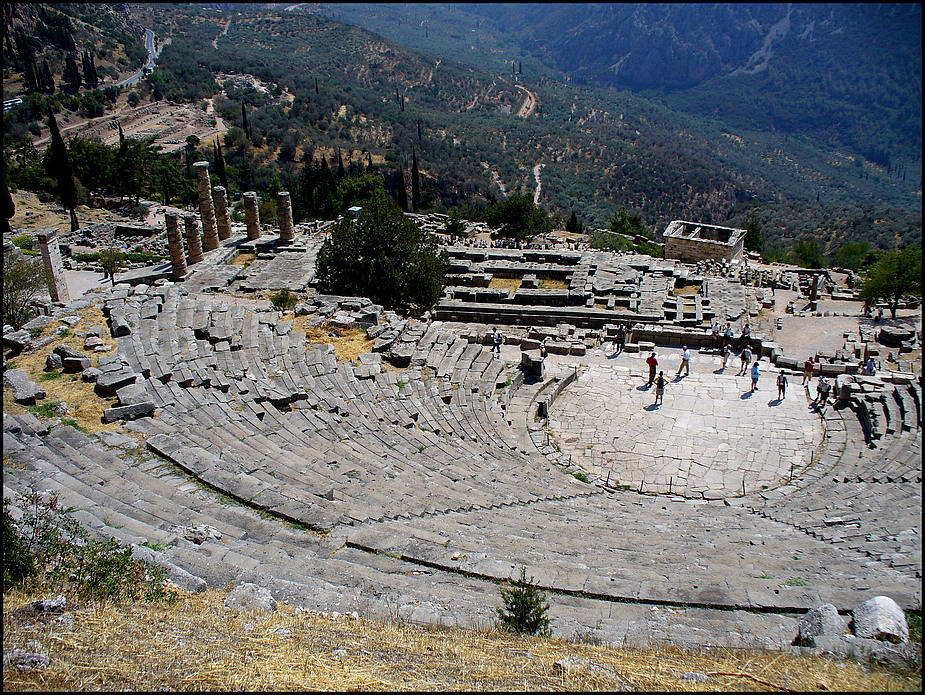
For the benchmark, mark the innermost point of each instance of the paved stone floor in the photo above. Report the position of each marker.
(710, 437)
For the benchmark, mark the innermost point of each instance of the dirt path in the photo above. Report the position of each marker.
(529, 106)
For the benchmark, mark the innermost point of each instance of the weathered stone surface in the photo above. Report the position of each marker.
(250, 598)
(133, 394)
(25, 391)
(17, 340)
(822, 620)
(111, 382)
(128, 412)
(53, 361)
(882, 619)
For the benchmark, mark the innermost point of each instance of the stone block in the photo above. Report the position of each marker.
(128, 412)
(133, 394)
(110, 382)
(75, 364)
(25, 391)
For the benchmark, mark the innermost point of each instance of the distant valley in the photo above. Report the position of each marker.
(774, 113)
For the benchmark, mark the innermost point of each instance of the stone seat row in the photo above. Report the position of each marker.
(302, 427)
(708, 554)
(275, 346)
(838, 501)
(145, 503)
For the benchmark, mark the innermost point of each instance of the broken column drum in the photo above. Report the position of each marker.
(175, 245)
(251, 215)
(193, 240)
(51, 257)
(286, 231)
(206, 208)
(220, 198)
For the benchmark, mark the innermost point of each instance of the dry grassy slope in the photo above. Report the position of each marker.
(198, 644)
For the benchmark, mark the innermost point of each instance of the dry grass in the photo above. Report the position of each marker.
(512, 284)
(244, 259)
(349, 343)
(85, 407)
(197, 644)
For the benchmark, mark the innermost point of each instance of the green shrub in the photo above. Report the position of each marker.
(524, 609)
(23, 241)
(283, 300)
(55, 553)
(17, 562)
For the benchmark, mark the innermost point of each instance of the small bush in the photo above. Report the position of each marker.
(524, 609)
(53, 552)
(23, 241)
(284, 300)
(17, 562)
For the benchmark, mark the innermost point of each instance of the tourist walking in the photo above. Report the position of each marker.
(725, 352)
(808, 368)
(822, 392)
(756, 372)
(746, 357)
(685, 362)
(660, 389)
(652, 361)
(781, 386)
(496, 340)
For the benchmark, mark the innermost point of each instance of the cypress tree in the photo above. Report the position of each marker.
(415, 182)
(47, 82)
(401, 193)
(220, 165)
(71, 77)
(6, 201)
(60, 167)
(244, 124)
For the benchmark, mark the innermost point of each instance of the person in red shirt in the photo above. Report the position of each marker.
(808, 368)
(652, 361)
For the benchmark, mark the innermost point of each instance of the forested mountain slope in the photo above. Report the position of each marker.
(473, 106)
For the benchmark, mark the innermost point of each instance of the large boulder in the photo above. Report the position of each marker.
(881, 618)
(821, 621)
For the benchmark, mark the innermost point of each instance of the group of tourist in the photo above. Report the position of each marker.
(749, 366)
(723, 335)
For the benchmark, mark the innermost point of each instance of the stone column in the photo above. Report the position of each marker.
(252, 215)
(51, 257)
(206, 208)
(193, 240)
(220, 198)
(286, 230)
(175, 244)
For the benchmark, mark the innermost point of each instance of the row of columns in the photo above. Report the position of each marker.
(216, 222)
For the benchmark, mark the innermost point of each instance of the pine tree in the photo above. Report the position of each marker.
(525, 607)
(59, 166)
